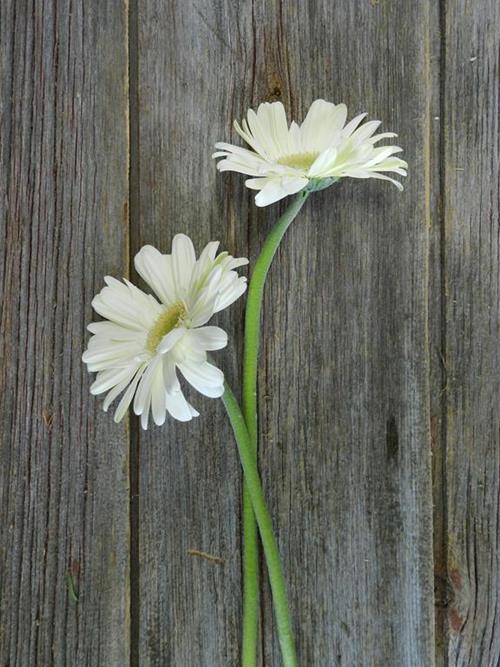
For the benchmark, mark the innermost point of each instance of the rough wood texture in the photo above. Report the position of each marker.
(345, 450)
(381, 348)
(472, 329)
(345, 440)
(63, 463)
(191, 72)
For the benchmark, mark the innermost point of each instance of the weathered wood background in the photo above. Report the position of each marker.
(380, 369)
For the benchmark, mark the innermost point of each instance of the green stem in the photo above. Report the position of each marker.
(250, 583)
(251, 353)
(253, 311)
(263, 517)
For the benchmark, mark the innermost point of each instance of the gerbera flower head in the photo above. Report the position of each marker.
(144, 339)
(285, 159)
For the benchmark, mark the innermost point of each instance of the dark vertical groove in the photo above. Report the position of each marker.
(443, 503)
(252, 249)
(133, 68)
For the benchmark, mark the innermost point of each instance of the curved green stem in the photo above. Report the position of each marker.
(250, 359)
(253, 312)
(271, 552)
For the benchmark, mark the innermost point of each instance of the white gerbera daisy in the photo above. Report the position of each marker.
(143, 341)
(284, 160)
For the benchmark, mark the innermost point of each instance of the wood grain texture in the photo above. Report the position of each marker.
(345, 445)
(193, 73)
(345, 425)
(472, 329)
(381, 336)
(63, 463)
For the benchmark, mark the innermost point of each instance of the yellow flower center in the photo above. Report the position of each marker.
(167, 321)
(299, 160)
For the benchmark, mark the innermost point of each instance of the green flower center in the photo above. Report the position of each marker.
(299, 160)
(167, 321)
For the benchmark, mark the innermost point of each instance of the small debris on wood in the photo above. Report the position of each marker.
(48, 418)
(71, 587)
(202, 554)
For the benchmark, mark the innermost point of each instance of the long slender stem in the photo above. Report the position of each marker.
(271, 552)
(250, 583)
(251, 353)
(253, 312)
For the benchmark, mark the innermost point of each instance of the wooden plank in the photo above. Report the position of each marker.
(472, 335)
(345, 447)
(345, 437)
(194, 72)
(63, 463)
(436, 305)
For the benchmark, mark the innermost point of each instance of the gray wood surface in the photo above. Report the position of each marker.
(472, 331)
(63, 463)
(344, 446)
(379, 381)
(191, 75)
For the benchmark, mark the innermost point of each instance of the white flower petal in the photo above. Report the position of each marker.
(383, 135)
(378, 155)
(143, 395)
(156, 270)
(179, 408)
(207, 338)
(203, 308)
(169, 340)
(256, 183)
(158, 397)
(145, 414)
(323, 121)
(382, 177)
(236, 262)
(374, 174)
(246, 135)
(113, 331)
(104, 353)
(270, 193)
(278, 124)
(323, 162)
(107, 379)
(231, 293)
(268, 127)
(241, 167)
(204, 377)
(183, 261)
(241, 155)
(117, 390)
(278, 188)
(365, 131)
(126, 399)
(170, 379)
(352, 125)
(126, 305)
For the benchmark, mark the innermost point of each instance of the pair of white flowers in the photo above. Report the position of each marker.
(143, 341)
